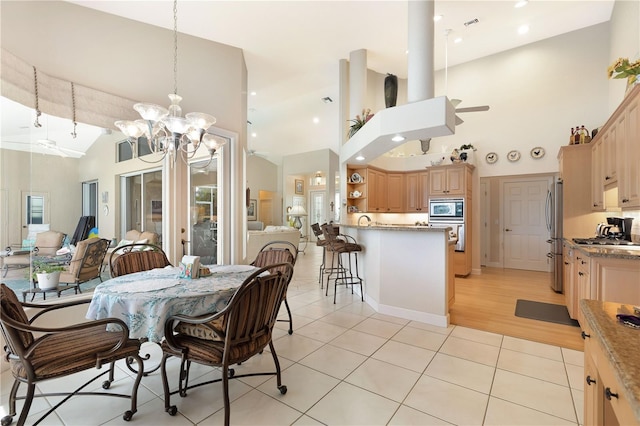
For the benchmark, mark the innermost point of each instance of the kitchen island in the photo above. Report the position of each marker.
(407, 270)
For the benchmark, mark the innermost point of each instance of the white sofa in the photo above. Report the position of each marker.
(257, 239)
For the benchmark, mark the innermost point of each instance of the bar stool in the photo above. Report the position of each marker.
(340, 245)
(320, 242)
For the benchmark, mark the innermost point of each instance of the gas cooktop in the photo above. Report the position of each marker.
(604, 242)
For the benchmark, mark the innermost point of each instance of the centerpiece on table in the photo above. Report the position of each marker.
(359, 121)
(622, 68)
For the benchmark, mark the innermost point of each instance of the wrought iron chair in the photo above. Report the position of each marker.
(137, 257)
(233, 335)
(278, 252)
(85, 264)
(60, 351)
(320, 242)
(339, 244)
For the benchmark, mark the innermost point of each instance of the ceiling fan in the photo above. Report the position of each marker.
(51, 145)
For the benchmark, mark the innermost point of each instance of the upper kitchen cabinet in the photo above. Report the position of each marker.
(449, 180)
(628, 161)
(616, 155)
(386, 193)
(417, 192)
(575, 166)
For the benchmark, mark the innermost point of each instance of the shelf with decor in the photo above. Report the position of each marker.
(356, 190)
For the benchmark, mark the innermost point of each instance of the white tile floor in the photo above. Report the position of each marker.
(346, 365)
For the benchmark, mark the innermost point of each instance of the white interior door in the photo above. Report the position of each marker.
(35, 210)
(317, 213)
(525, 232)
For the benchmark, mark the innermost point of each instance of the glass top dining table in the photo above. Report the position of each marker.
(145, 300)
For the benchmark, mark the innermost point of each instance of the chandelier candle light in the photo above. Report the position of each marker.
(166, 131)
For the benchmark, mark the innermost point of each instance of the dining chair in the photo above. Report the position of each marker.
(38, 351)
(233, 335)
(85, 264)
(279, 252)
(137, 257)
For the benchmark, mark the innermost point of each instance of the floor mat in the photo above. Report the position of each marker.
(544, 312)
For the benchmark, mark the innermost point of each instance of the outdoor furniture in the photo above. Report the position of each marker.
(37, 353)
(86, 263)
(236, 333)
(46, 243)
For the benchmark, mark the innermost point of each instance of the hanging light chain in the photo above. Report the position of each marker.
(38, 113)
(73, 105)
(175, 47)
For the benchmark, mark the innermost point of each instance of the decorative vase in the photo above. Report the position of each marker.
(390, 90)
(48, 280)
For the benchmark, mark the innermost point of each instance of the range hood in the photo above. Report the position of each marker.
(425, 119)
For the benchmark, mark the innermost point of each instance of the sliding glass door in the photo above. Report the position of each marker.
(141, 196)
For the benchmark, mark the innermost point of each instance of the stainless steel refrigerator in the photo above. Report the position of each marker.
(553, 216)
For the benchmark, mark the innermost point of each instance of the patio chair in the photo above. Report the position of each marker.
(233, 335)
(37, 353)
(47, 243)
(132, 258)
(85, 264)
(278, 252)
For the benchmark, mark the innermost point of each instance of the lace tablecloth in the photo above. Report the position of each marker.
(145, 300)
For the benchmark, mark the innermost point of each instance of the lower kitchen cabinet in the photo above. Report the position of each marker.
(609, 362)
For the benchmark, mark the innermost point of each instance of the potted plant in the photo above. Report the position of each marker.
(464, 150)
(46, 275)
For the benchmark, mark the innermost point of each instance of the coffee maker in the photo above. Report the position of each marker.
(620, 227)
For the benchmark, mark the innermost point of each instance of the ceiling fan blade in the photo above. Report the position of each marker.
(51, 145)
(473, 109)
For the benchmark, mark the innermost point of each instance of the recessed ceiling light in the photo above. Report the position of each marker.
(458, 40)
(397, 138)
(521, 3)
(359, 158)
(316, 120)
(523, 29)
(436, 18)
(254, 135)
(253, 93)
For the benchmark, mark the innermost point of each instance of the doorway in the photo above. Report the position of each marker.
(525, 233)
(35, 210)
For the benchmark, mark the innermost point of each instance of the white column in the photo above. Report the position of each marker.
(357, 82)
(420, 58)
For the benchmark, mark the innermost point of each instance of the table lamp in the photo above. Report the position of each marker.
(297, 212)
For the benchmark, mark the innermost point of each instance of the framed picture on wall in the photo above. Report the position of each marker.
(252, 210)
(299, 187)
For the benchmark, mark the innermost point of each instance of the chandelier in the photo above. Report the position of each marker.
(165, 130)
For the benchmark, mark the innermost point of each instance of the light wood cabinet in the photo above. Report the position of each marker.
(569, 285)
(575, 170)
(629, 156)
(616, 280)
(395, 192)
(597, 175)
(448, 180)
(582, 280)
(605, 401)
(417, 192)
(377, 191)
(611, 138)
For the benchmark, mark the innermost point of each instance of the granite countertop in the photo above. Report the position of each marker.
(621, 344)
(399, 227)
(614, 252)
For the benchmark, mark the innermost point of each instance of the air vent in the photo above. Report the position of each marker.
(471, 22)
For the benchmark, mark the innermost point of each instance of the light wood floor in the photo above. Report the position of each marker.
(488, 302)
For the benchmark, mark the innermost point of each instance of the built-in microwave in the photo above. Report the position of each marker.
(449, 210)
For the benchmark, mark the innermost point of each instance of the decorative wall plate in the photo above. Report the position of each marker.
(537, 152)
(356, 178)
(491, 157)
(357, 194)
(513, 155)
